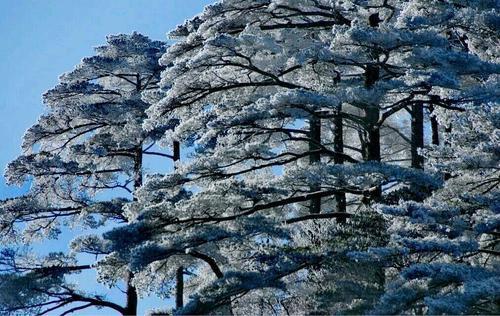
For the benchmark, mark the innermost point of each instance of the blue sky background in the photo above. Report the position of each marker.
(42, 39)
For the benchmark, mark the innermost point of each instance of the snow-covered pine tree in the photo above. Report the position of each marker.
(262, 88)
(84, 160)
(442, 257)
(309, 190)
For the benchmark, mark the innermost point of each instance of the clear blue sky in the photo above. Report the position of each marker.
(42, 39)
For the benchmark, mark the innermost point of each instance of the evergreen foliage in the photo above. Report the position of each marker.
(344, 159)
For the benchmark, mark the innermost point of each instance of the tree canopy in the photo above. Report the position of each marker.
(343, 158)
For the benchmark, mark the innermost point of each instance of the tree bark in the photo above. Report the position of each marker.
(137, 169)
(131, 306)
(417, 135)
(373, 145)
(179, 287)
(447, 131)
(177, 151)
(338, 147)
(434, 126)
(131, 292)
(372, 114)
(179, 273)
(314, 145)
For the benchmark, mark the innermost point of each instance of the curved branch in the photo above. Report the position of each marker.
(211, 262)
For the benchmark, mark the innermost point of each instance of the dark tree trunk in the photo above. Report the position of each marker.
(362, 135)
(137, 169)
(314, 145)
(177, 151)
(373, 146)
(434, 126)
(372, 74)
(447, 131)
(131, 307)
(417, 135)
(372, 114)
(372, 153)
(179, 288)
(179, 274)
(338, 147)
(131, 292)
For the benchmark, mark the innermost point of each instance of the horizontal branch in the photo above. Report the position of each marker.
(491, 252)
(59, 269)
(154, 153)
(260, 207)
(317, 216)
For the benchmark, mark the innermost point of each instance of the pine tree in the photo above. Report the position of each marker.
(259, 87)
(89, 143)
(344, 159)
(444, 251)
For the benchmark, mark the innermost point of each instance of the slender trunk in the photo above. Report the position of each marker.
(315, 139)
(372, 115)
(372, 112)
(179, 274)
(137, 169)
(131, 307)
(179, 287)
(447, 131)
(177, 151)
(417, 135)
(131, 292)
(373, 146)
(338, 147)
(362, 143)
(434, 126)
(314, 145)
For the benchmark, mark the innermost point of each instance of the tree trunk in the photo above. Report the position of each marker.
(338, 147)
(314, 145)
(434, 126)
(417, 135)
(179, 287)
(131, 292)
(131, 307)
(179, 274)
(177, 151)
(447, 131)
(137, 169)
(373, 152)
(372, 114)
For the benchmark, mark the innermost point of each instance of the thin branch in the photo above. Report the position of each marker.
(317, 216)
